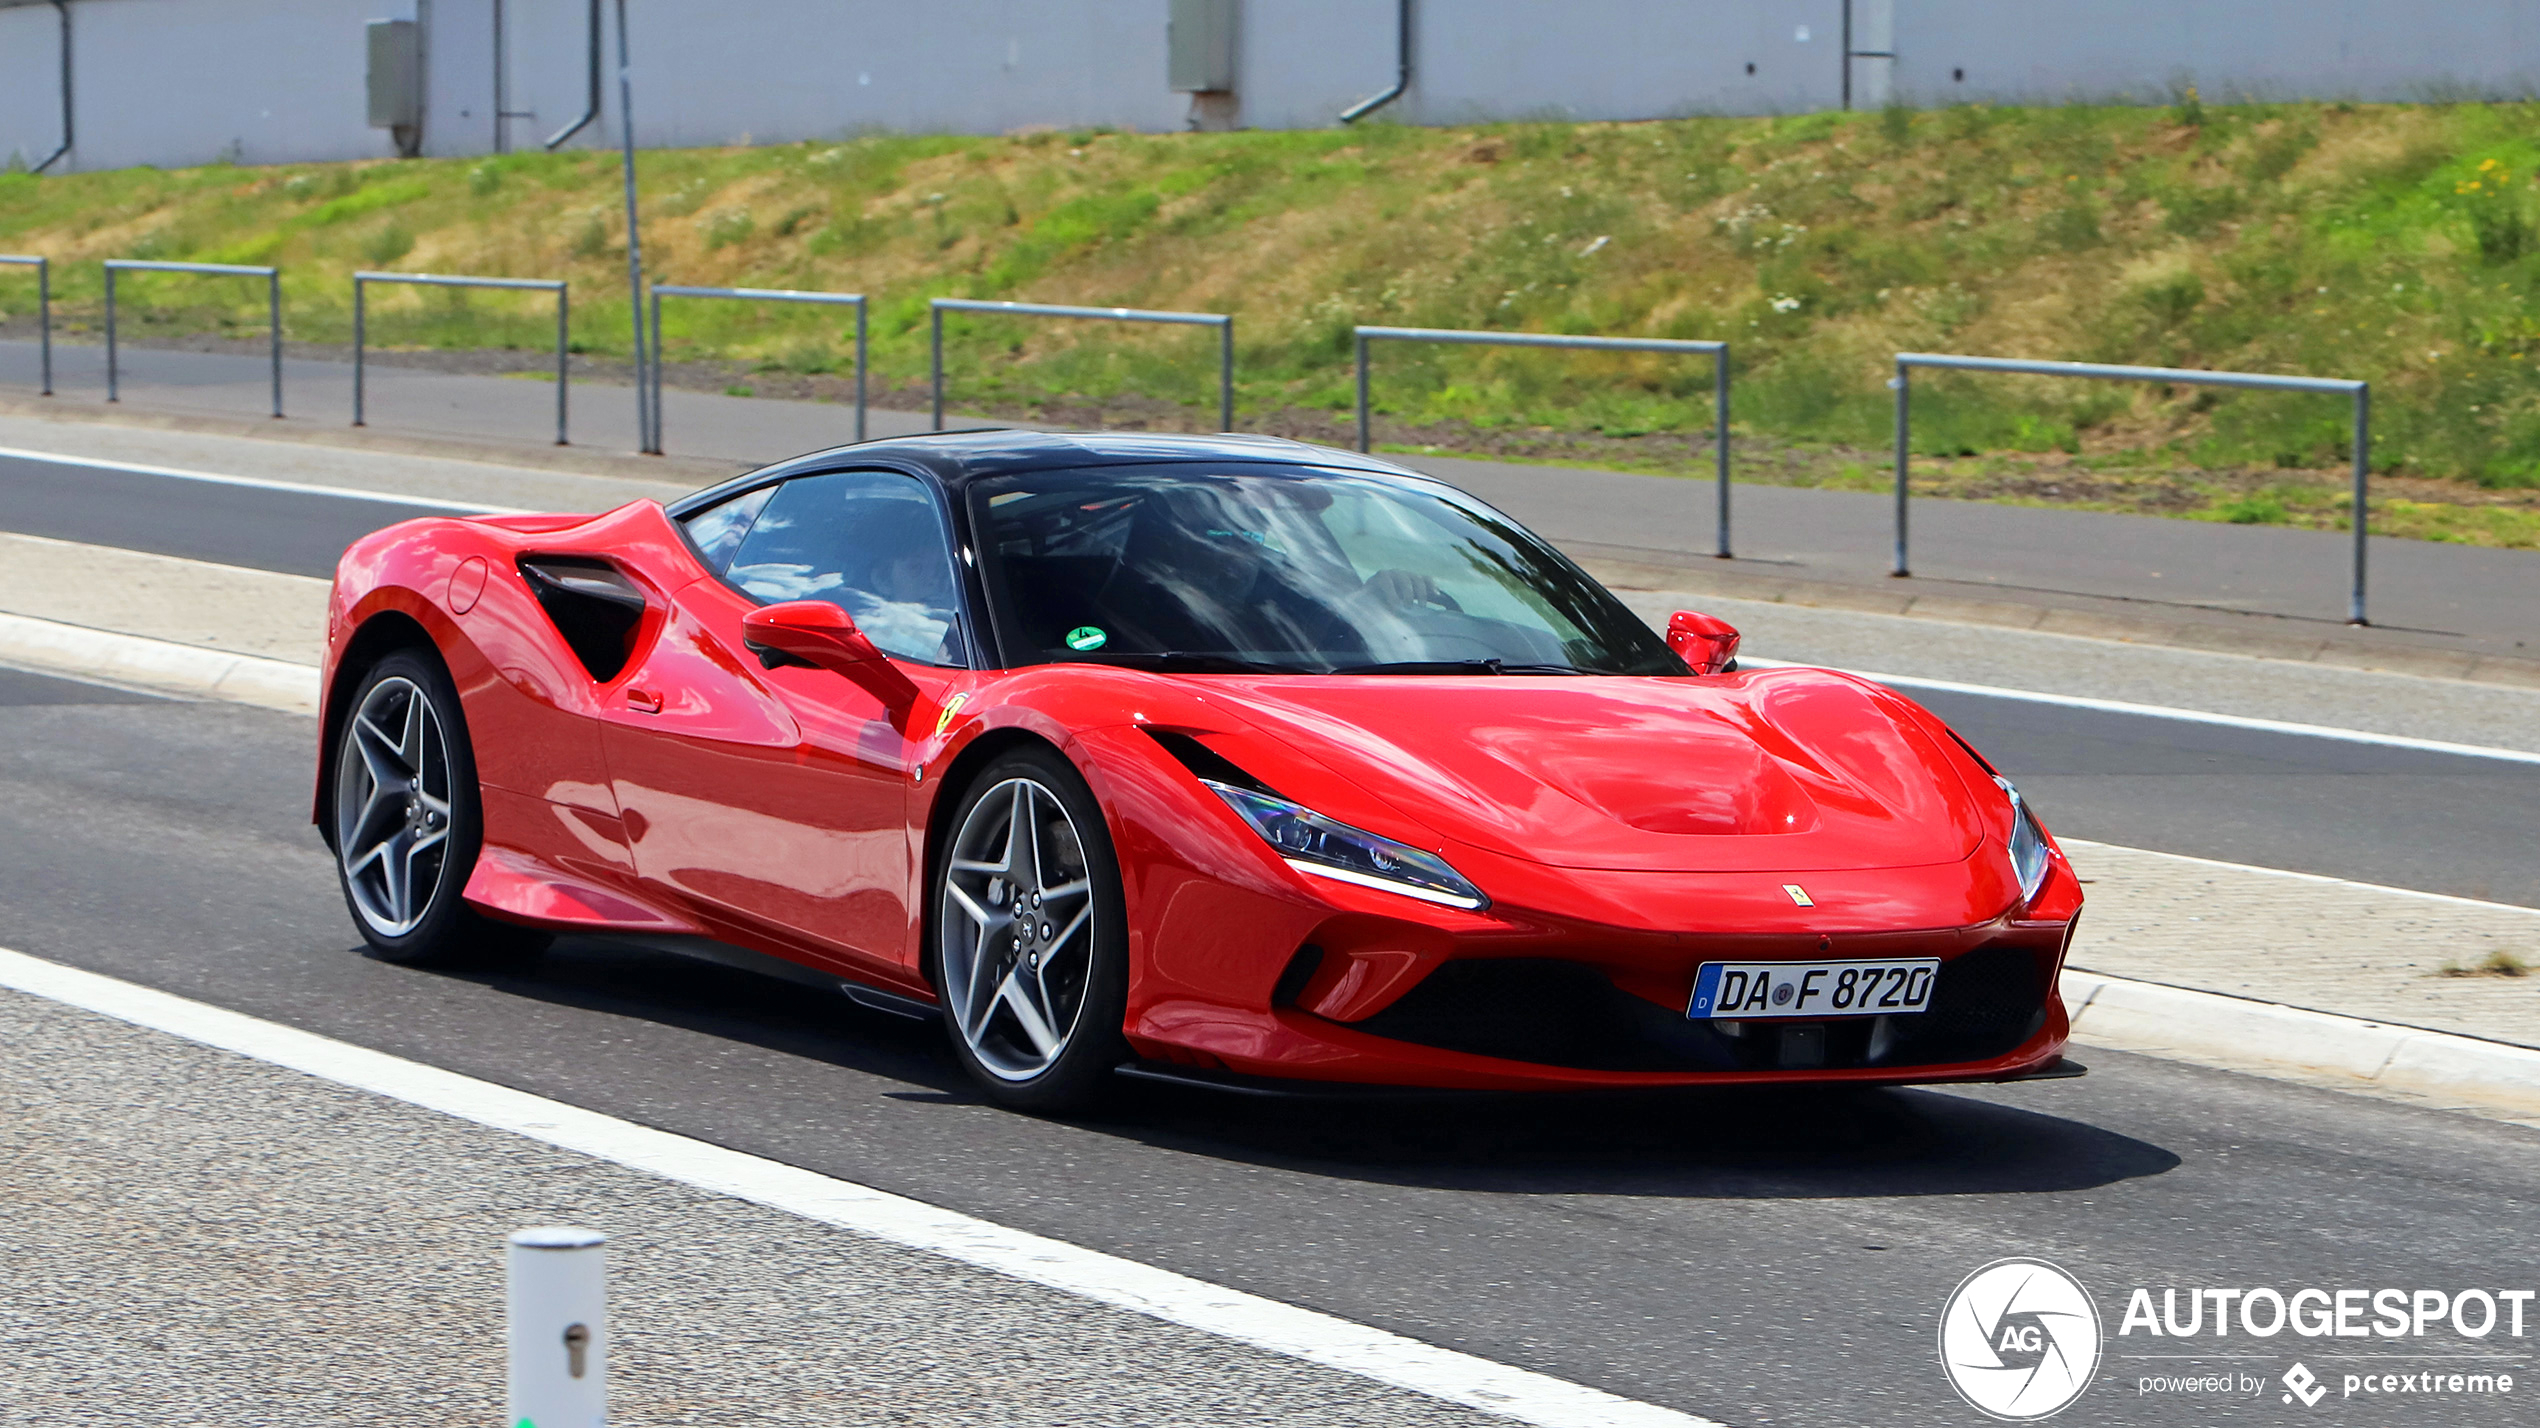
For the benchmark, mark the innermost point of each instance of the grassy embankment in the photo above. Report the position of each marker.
(2396, 243)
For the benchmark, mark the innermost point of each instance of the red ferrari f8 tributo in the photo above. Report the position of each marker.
(1219, 759)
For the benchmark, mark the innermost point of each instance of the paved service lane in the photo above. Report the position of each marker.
(1763, 1260)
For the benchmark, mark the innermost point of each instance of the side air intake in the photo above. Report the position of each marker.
(596, 608)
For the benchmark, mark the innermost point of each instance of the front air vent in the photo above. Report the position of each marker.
(592, 604)
(1205, 762)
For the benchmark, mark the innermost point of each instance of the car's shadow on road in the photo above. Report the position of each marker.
(1729, 1143)
(1726, 1143)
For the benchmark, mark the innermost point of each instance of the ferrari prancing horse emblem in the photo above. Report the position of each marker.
(1799, 895)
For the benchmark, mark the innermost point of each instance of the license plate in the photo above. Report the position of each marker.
(1753, 991)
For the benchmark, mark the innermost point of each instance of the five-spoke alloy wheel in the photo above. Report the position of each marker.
(1030, 940)
(404, 819)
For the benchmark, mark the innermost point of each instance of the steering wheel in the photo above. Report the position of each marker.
(1403, 587)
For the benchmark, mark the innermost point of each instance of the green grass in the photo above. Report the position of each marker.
(2395, 243)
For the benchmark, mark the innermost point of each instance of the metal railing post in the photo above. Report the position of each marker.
(360, 340)
(564, 327)
(1899, 565)
(2359, 392)
(1720, 440)
(1718, 352)
(2355, 613)
(859, 366)
(43, 311)
(113, 389)
(1226, 375)
(1365, 442)
(273, 319)
(652, 384)
(1225, 324)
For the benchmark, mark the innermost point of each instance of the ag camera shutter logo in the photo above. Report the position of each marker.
(2020, 1340)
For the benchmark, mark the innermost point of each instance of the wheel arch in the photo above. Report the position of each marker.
(380, 636)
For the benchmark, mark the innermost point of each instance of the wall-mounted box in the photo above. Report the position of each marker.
(1199, 45)
(396, 74)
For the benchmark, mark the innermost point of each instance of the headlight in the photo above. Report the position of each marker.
(2028, 845)
(1328, 848)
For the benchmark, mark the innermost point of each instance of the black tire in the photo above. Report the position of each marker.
(971, 959)
(413, 804)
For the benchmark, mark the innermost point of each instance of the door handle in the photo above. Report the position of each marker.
(645, 700)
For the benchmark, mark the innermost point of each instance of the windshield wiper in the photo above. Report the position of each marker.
(1193, 660)
(1458, 666)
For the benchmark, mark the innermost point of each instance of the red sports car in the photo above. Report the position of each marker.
(1217, 759)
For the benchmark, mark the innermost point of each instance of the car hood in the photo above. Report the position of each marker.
(1784, 770)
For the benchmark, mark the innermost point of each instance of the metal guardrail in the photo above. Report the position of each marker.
(1717, 351)
(43, 309)
(1224, 324)
(361, 324)
(2359, 391)
(273, 311)
(652, 438)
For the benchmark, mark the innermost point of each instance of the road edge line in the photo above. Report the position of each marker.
(2170, 712)
(262, 483)
(1318, 1338)
(160, 666)
(2241, 1034)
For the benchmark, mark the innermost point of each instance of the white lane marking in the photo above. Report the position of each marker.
(2163, 711)
(1318, 1338)
(2323, 878)
(346, 493)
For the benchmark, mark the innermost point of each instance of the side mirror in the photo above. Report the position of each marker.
(819, 635)
(1706, 643)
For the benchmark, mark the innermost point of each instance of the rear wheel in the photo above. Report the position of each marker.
(406, 821)
(1031, 938)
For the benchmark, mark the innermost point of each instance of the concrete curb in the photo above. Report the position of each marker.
(2320, 1047)
(158, 665)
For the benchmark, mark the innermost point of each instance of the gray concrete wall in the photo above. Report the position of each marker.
(175, 82)
(2055, 51)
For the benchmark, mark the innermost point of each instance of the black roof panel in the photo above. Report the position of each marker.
(957, 457)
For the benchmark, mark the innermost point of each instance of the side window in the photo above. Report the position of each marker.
(872, 543)
(716, 531)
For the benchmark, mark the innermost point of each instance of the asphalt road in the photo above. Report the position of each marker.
(2440, 823)
(1775, 1259)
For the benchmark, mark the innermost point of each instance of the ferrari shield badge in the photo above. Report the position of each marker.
(1799, 895)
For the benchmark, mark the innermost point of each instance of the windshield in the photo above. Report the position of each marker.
(1249, 566)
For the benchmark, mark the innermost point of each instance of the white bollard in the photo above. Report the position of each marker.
(559, 1328)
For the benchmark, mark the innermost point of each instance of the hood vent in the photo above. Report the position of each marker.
(1205, 762)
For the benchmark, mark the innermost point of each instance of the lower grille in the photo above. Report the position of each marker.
(1553, 1013)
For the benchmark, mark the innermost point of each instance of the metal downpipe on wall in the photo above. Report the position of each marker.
(62, 9)
(1401, 69)
(591, 104)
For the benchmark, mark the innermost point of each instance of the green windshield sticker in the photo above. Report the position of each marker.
(1086, 637)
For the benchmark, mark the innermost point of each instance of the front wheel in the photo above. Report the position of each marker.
(1031, 938)
(406, 824)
